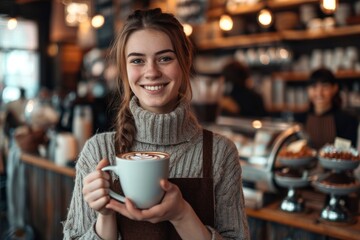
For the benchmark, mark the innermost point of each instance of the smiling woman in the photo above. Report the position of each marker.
(154, 59)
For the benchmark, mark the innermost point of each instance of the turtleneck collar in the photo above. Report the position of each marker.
(171, 128)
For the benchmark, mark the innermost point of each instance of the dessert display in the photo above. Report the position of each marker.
(339, 159)
(304, 152)
(337, 181)
(295, 160)
(300, 157)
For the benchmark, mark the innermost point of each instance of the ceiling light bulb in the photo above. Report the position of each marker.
(226, 23)
(328, 6)
(188, 29)
(265, 18)
(12, 23)
(98, 21)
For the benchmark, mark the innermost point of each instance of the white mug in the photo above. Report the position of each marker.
(140, 174)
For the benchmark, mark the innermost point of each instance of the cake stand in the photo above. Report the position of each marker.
(293, 176)
(337, 183)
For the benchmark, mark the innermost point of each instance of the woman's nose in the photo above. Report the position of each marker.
(318, 89)
(152, 70)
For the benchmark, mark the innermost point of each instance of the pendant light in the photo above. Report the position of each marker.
(12, 23)
(328, 6)
(97, 21)
(226, 22)
(188, 29)
(265, 18)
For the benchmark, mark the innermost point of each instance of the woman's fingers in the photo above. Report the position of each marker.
(118, 207)
(103, 163)
(97, 200)
(96, 188)
(97, 179)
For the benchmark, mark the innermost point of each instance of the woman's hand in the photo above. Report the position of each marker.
(171, 207)
(96, 189)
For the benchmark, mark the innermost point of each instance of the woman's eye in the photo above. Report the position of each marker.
(165, 59)
(136, 61)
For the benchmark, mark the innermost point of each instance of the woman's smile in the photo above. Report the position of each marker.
(154, 88)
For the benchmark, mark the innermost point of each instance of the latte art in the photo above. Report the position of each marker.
(144, 155)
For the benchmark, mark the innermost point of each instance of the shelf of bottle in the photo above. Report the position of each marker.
(304, 76)
(248, 40)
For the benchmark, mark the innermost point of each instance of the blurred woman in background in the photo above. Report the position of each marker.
(325, 120)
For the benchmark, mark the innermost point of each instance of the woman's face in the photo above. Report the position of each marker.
(321, 94)
(153, 70)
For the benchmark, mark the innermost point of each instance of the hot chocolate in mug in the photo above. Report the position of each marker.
(140, 174)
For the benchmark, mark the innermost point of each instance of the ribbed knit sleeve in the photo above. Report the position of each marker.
(81, 219)
(230, 218)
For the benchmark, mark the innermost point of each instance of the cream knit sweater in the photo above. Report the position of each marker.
(179, 134)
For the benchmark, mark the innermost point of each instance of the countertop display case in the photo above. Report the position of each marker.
(259, 143)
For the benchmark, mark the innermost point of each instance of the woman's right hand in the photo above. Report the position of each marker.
(96, 189)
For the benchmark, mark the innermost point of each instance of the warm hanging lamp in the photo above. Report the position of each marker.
(226, 22)
(328, 6)
(265, 18)
(12, 21)
(188, 29)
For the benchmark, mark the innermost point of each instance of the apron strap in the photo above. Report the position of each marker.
(207, 153)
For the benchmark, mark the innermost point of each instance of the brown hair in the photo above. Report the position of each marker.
(138, 20)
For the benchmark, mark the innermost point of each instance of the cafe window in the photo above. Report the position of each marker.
(19, 59)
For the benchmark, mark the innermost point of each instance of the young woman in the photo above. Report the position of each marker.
(325, 120)
(154, 58)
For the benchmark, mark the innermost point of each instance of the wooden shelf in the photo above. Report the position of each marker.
(277, 4)
(246, 9)
(256, 7)
(273, 37)
(239, 41)
(307, 221)
(292, 35)
(303, 76)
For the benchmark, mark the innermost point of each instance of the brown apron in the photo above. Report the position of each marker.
(198, 192)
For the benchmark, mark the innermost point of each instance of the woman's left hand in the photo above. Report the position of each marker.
(171, 208)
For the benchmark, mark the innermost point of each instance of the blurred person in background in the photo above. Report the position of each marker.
(325, 120)
(239, 98)
(15, 112)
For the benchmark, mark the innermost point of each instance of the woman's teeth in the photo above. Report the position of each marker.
(153, 88)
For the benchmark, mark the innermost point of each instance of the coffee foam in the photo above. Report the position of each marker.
(143, 155)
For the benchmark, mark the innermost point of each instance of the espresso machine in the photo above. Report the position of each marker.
(258, 143)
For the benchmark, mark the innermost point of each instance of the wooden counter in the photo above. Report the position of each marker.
(49, 191)
(308, 221)
(50, 188)
(48, 165)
